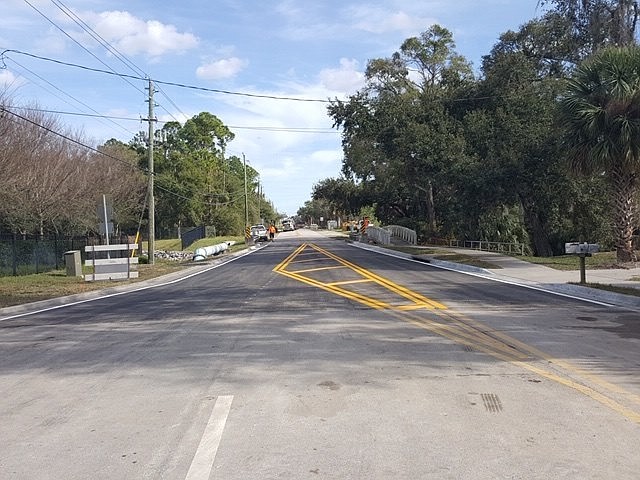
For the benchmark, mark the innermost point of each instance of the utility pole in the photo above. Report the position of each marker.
(259, 195)
(246, 198)
(152, 204)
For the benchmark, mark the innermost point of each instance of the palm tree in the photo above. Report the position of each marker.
(601, 111)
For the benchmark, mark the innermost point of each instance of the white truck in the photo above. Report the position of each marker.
(288, 225)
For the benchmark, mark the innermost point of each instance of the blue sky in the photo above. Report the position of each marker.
(302, 49)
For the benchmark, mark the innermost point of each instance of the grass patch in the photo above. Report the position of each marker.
(439, 254)
(598, 260)
(43, 286)
(466, 260)
(170, 245)
(414, 250)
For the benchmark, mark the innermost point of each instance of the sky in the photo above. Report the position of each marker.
(265, 68)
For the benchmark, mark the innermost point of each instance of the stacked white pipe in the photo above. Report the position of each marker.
(203, 252)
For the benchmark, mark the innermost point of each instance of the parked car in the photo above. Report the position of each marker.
(259, 233)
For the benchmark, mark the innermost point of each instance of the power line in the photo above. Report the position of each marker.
(4, 55)
(116, 53)
(5, 109)
(97, 37)
(80, 102)
(101, 41)
(237, 127)
(80, 45)
(172, 84)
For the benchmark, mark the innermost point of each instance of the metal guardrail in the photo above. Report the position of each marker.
(501, 247)
(404, 233)
(383, 236)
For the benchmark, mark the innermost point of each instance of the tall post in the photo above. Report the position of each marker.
(152, 203)
(106, 219)
(259, 206)
(246, 198)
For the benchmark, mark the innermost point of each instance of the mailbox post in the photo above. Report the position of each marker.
(582, 250)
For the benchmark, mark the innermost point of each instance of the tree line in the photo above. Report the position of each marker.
(52, 182)
(539, 147)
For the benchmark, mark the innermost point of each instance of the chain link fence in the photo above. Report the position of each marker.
(28, 254)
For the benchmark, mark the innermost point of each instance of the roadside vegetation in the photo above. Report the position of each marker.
(537, 148)
(43, 286)
(537, 145)
(32, 288)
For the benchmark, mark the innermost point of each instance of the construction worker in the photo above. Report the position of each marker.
(272, 232)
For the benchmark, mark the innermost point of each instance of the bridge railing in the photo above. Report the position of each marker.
(484, 245)
(403, 233)
(378, 235)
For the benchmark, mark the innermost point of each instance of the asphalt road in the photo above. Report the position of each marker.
(310, 359)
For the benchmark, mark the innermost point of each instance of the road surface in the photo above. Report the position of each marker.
(313, 359)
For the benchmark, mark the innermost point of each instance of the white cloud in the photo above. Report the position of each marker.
(224, 68)
(379, 20)
(292, 143)
(346, 78)
(9, 81)
(132, 36)
(52, 43)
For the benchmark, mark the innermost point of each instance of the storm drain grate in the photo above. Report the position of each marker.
(491, 402)
(468, 348)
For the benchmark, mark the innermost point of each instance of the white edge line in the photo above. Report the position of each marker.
(501, 280)
(126, 292)
(205, 455)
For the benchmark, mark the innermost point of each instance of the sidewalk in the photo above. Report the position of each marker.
(512, 267)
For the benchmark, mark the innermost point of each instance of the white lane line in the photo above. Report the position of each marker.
(202, 462)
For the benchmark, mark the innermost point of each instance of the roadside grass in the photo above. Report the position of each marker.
(411, 250)
(440, 254)
(466, 260)
(572, 262)
(600, 260)
(43, 286)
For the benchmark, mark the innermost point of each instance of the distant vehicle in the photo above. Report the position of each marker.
(259, 233)
(313, 226)
(287, 225)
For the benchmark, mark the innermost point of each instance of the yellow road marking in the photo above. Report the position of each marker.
(318, 269)
(310, 260)
(405, 292)
(461, 329)
(349, 282)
